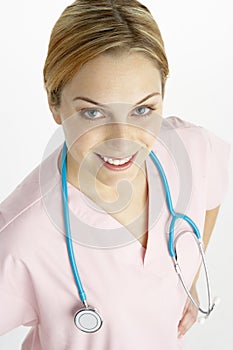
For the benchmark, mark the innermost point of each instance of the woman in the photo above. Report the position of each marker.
(105, 76)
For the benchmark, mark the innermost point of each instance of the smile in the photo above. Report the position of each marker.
(113, 163)
(116, 161)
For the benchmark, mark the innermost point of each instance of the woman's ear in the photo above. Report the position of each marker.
(55, 112)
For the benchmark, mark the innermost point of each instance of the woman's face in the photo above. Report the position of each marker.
(111, 113)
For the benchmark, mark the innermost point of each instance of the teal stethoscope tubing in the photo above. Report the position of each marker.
(175, 216)
(78, 282)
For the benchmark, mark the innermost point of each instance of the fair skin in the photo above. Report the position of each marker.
(116, 131)
(126, 124)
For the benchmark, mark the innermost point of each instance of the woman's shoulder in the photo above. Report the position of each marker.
(22, 210)
(177, 134)
(205, 152)
(191, 134)
(177, 124)
(14, 217)
(20, 199)
(201, 146)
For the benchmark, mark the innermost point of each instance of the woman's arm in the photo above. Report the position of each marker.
(190, 312)
(210, 220)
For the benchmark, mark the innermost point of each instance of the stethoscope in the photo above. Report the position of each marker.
(87, 319)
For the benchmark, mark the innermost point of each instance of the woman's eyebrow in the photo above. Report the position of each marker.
(102, 105)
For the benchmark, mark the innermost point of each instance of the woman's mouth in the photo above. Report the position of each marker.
(114, 163)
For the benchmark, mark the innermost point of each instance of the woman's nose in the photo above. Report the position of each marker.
(119, 144)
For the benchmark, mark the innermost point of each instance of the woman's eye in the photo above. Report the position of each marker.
(142, 111)
(92, 113)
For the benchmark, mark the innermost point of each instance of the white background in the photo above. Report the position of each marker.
(198, 40)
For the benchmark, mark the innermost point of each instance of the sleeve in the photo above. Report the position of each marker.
(16, 295)
(217, 177)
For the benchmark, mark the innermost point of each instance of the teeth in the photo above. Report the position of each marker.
(116, 161)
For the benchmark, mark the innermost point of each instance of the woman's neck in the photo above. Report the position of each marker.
(123, 202)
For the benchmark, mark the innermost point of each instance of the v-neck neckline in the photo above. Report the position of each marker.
(75, 195)
(134, 242)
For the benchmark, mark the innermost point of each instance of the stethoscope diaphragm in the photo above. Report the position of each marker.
(88, 320)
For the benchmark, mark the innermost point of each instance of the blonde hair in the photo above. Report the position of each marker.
(88, 28)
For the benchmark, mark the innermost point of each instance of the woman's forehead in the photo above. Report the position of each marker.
(110, 79)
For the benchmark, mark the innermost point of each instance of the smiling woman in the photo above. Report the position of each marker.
(114, 129)
(105, 75)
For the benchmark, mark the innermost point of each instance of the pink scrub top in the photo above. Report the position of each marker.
(135, 290)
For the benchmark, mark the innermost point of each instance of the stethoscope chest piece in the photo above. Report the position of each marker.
(88, 320)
